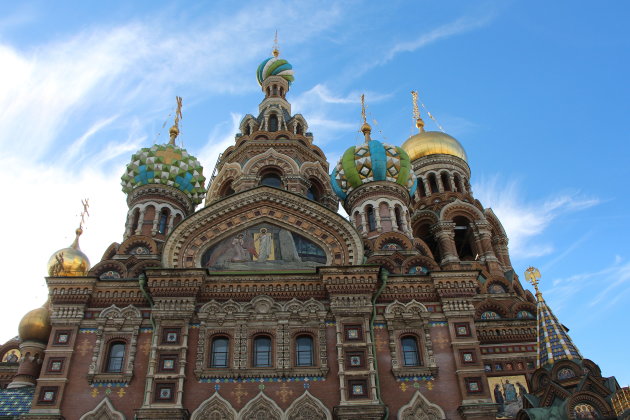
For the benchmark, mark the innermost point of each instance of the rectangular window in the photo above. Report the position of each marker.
(304, 350)
(219, 356)
(262, 352)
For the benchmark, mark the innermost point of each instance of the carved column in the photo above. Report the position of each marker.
(445, 235)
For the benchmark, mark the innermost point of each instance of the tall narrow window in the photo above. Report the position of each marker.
(433, 184)
(369, 211)
(399, 221)
(273, 122)
(410, 354)
(262, 352)
(298, 129)
(421, 190)
(463, 239)
(219, 352)
(135, 219)
(162, 222)
(304, 350)
(446, 181)
(115, 357)
(458, 183)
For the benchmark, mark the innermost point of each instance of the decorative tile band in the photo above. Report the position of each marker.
(415, 378)
(146, 329)
(508, 349)
(438, 323)
(330, 323)
(109, 385)
(197, 325)
(87, 330)
(379, 325)
(254, 380)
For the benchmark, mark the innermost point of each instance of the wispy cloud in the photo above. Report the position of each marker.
(526, 221)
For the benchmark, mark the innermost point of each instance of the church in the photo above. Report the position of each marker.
(246, 295)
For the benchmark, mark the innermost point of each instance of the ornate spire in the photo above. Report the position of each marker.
(86, 205)
(553, 341)
(275, 51)
(365, 128)
(174, 130)
(416, 111)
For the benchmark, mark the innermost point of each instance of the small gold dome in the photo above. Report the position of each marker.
(428, 143)
(71, 261)
(35, 325)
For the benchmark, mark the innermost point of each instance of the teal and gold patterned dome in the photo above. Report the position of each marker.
(166, 164)
(274, 66)
(372, 161)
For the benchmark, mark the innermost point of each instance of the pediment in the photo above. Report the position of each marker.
(263, 229)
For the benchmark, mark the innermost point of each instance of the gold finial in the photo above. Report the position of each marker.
(275, 51)
(416, 111)
(174, 130)
(86, 205)
(365, 128)
(533, 276)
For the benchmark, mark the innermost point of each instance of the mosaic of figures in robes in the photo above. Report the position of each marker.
(263, 247)
(12, 356)
(507, 391)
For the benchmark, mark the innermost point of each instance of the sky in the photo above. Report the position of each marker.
(537, 93)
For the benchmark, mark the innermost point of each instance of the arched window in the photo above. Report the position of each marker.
(525, 315)
(262, 351)
(268, 91)
(115, 357)
(298, 129)
(313, 192)
(399, 221)
(446, 181)
(369, 211)
(304, 350)
(275, 89)
(410, 354)
(248, 130)
(424, 232)
(134, 220)
(433, 184)
(273, 122)
(282, 92)
(271, 180)
(458, 183)
(219, 352)
(226, 190)
(421, 190)
(495, 288)
(463, 239)
(162, 222)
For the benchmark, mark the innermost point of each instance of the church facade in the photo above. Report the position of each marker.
(248, 296)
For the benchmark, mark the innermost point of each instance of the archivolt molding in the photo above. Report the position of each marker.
(591, 398)
(494, 222)
(420, 216)
(412, 309)
(103, 411)
(109, 265)
(397, 237)
(419, 260)
(214, 407)
(459, 207)
(491, 305)
(307, 407)
(194, 235)
(229, 172)
(117, 316)
(271, 158)
(138, 240)
(261, 407)
(523, 306)
(419, 408)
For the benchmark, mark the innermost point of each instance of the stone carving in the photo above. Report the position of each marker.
(103, 411)
(214, 408)
(307, 407)
(419, 408)
(261, 408)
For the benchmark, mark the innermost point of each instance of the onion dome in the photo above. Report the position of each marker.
(35, 325)
(166, 164)
(69, 262)
(274, 66)
(428, 143)
(372, 161)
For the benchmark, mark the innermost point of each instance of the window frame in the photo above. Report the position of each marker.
(403, 352)
(255, 351)
(311, 350)
(212, 352)
(108, 357)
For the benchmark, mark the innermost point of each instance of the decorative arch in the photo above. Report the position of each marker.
(189, 240)
(419, 260)
(261, 407)
(491, 305)
(118, 316)
(104, 267)
(229, 173)
(565, 369)
(399, 309)
(590, 399)
(384, 262)
(138, 268)
(138, 241)
(271, 158)
(110, 251)
(263, 305)
(103, 411)
(460, 208)
(214, 408)
(422, 248)
(495, 280)
(424, 216)
(494, 221)
(420, 408)
(307, 407)
(396, 237)
(523, 306)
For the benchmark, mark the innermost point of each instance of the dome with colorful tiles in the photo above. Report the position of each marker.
(166, 164)
(274, 66)
(372, 161)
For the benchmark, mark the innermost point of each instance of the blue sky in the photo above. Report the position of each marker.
(535, 91)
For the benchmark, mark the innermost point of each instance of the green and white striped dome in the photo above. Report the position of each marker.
(274, 66)
(166, 164)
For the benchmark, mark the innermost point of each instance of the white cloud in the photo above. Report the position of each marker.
(525, 221)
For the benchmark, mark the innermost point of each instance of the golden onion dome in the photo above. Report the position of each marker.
(71, 261)
(427, 143)
(35, 325)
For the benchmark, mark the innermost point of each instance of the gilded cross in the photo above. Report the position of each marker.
(363, 109)
(146, 346)
(121, 392)
(239, 393)
(168, 155)
(403, 387)
(430, 385)
(284, 392)
(86, 205)
(94, 392)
